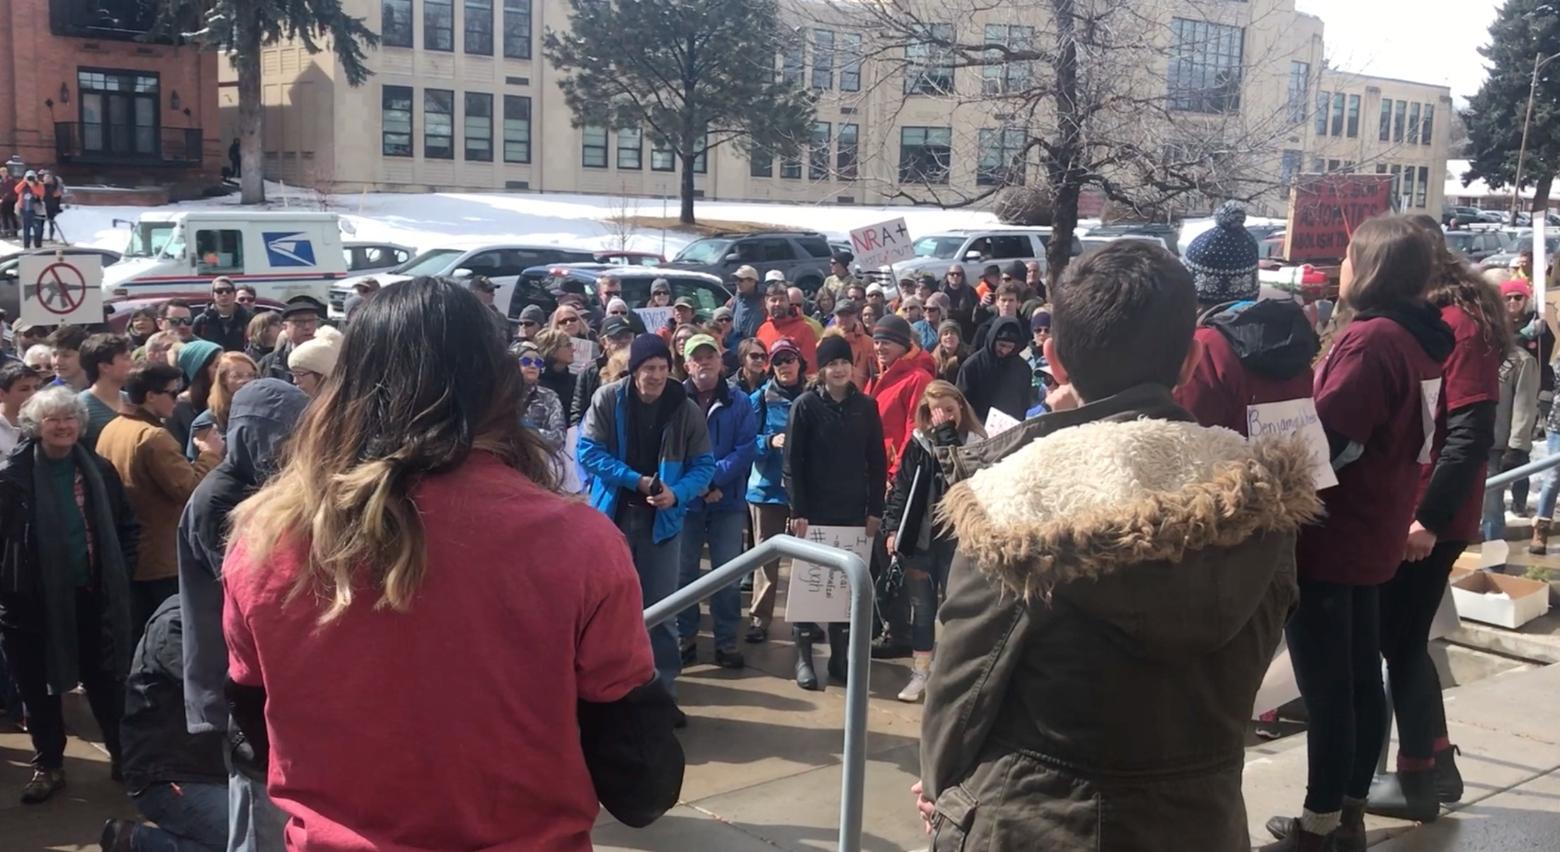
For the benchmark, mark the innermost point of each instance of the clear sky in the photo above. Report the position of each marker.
(1427, 41)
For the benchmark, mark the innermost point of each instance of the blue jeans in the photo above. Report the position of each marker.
(191, 817)
(255, 823)
(657, 565)
(1551, 489)
(723, 532)
(1493, 521)
(926, 576)
(32, 230)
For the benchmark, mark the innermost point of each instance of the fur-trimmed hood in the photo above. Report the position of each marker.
(1094, 499)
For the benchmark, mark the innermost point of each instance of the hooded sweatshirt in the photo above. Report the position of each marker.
(1252, 353)
(1004, 383)
(264, 413)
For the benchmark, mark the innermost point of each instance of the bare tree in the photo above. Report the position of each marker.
(1078, 96)
(621, 219)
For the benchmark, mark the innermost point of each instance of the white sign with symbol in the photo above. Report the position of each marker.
(881, 244)
(821, 594)
(1295, 418)
(61, 289)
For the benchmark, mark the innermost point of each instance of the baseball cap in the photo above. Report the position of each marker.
(614, 326)
(874, 288)
(843, 258)
(846, 306)
(939, 301)
(774, 275)
(721, 313)
(685, 302)
(533, 313)
(745, 272)
(660, 285)
(696, 341)
(784, 344)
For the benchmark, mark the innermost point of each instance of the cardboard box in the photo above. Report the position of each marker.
(1498, 599)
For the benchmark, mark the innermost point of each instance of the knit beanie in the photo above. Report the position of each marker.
(317, 356)
(893, 329)
(645, 347)
(1039, 320)
(833, 347)
(1223, 260)
(194, 355)
(950, 325)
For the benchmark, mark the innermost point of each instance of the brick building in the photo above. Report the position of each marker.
(80, 94)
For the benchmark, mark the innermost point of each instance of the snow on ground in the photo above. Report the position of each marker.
(428, 220)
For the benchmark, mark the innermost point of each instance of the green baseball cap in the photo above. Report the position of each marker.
(698, 340)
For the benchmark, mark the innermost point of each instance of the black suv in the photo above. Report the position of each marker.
(542, 285)
(803, 256)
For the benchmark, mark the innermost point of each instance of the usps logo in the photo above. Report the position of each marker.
(288, 249)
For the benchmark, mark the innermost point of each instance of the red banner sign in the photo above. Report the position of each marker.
(1325, 210)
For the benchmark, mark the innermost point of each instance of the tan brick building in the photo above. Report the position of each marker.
(1380, 125)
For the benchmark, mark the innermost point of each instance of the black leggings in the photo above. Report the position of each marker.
(1408, 605)
(25, 652)
(1335, 647)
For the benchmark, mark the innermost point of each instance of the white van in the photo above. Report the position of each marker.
(175, 255)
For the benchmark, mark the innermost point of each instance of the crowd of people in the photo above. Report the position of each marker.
(239, 530)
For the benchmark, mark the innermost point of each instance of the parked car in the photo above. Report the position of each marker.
(494, 261)
(615, 257)
(363, 258)
(542, 285)
(10, 289)
(803, 256)
(1461, 213)
(974, 249)
(1521, 239)
(1164, 234)
(1478, 245)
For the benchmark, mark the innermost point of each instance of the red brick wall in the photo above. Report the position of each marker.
(34, 63)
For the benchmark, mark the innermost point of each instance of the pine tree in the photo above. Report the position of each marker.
(691, 74)
(1524, 31)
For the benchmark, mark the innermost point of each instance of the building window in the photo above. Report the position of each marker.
(661, 159)
(1288, 167)
(1399, 118)
(793, 59)
(1421, 197)
(631, 149)
(1354, 116)
(847, 155)
(1006, 77)
(701, 159)
(1406, 194)
(850, 62)
(1337, 113)
(593, 151)
(479, 127)
(395, 118)
(1427, 125)
(1332, 165)
(1299, 90)
(761, 164)
(823, 59)
(818, 151)
(119, 112)
(438, 25)
(791, 168)
(1413, 124)
(517, 29)
(925, 154)
(478, 16)
(1001, 157)
(395, 23)
(439, 124)
(929, 63)
(1386, 119)
(1205, 66)
(1323, 101)
(517, 129)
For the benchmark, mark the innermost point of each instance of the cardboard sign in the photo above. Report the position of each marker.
(1324, 210)
(998, 421)
(1429, 398)
(822, 594)
(881, 244)
(61, 288)
(585, 352)
(1295, 417)
(654, 318)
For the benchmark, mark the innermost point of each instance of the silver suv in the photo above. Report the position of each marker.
(803, 257)
(974, 249)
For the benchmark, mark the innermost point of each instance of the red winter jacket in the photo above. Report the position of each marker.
(897, 392)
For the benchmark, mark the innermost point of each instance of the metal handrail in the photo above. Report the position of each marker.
(1503, 479)
(859, 659)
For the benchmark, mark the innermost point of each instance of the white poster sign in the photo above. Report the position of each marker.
(654, 318)
(1278, 685)
(822, 594)
(1295, 417)
(998, 421)
(1429, 398)
(881, 244)
(61, 288)
(585, 352)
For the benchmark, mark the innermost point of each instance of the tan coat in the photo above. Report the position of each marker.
(159, 481)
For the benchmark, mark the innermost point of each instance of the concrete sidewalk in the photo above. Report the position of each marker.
(763, 771)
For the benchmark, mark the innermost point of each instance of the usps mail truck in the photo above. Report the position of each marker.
(281, 254)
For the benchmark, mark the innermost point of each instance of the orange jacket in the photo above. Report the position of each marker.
(800, 332)
(897, 392)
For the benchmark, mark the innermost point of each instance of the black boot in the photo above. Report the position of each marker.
(1292, 839)
(839, 652)
(806, 678)
(1448, 781)
(1405, 795)
(1349, 836)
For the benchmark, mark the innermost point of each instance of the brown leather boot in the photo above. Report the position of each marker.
(1540, 543)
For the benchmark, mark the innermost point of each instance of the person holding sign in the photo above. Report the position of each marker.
(835, 472)
(1377, 393)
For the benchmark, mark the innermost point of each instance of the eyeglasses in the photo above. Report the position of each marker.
(246, 299)
(177, 320)
(174, 391)
(1516, 298)
(223, 291)
(757, 356)
(784, 360)
(532, 361)
(568, 319)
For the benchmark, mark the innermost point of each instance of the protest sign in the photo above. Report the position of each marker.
(882, 244)
(654, 318)
(998, 421)
(585, 352)
(60, 288)
(821, 594)
(1324, 210)
(1295, 418)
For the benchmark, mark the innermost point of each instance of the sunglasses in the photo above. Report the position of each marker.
(532, 361)
(568, 319)
(529, 323)
(757, 356)
(247, 299)
(177, 320)
(1516, 298)
(784, 360)
(223, 291)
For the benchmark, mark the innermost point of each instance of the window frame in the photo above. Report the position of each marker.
(468, 98)
(1413, 123)
(429, 133)
(915, 157)
(432, 26)
(1194, 77)
(849, 46)
(1323, 110)
(386, 92)
(819, 168)
(1353, 131)
(1009, 168)
(524, 100)
(1399, 119)
(659, 150)
(1339, 102)
(394, 38)
(484, 30)
(637, 135)
(929, 63)
(517, 10)
(1298, 98)
(793, 60)
(237, 237)
(822, 61)
(1386, 120)
(755, 158)
(1422, 194)
(848, 169)
(1012, 76)
(587, 147)
(1427, 125)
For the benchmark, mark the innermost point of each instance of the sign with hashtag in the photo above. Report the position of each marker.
(822, 594)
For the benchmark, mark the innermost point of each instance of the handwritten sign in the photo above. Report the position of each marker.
(585, 352)
(881, 244)
(654, 318)
(1429, 399)
(818, 593)
(1325, 209)
(998, 421)
(1295, 418)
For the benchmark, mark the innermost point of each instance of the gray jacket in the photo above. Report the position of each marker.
(1518, 409)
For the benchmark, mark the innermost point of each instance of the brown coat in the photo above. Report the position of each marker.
(1119, 590)
(159, 481)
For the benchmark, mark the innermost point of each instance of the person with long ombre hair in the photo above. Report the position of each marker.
(414, 536)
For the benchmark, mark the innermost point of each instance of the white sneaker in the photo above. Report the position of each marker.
(915, 688)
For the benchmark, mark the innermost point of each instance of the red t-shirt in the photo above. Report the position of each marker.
(1370, 390)
(1472, 375)
(1220, 388)
(452, 725)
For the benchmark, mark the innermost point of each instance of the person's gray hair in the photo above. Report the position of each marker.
(58, 401)
(39, 356)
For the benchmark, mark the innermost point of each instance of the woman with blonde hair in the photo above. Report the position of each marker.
(557, 346)
(403, 534)
(943, 418)
(263, 331)
(234, 370)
